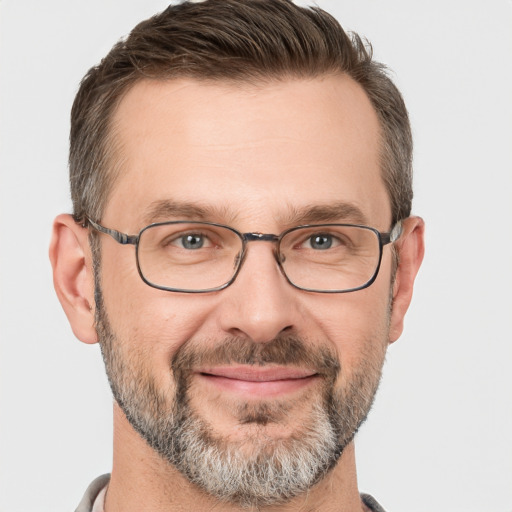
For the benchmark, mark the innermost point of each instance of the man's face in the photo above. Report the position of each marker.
(254, 374)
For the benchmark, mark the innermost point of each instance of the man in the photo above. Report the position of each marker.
(242, 249)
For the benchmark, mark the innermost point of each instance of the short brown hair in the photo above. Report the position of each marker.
(230, 40)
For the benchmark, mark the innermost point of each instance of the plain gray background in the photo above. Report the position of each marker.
(440, 435)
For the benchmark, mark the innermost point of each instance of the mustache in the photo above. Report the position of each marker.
(283, 351)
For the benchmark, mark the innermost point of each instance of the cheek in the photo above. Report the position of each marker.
(356, 325)
(150, 324)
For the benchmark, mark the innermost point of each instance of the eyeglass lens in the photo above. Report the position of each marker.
(198, 257)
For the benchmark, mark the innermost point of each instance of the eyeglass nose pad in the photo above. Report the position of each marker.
(239, 258)
(280, 258)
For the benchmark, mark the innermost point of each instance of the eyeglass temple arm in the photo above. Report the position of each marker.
(119, 237)
(393, 235)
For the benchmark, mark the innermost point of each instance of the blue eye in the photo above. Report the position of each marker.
(320, 241)
(192, 241)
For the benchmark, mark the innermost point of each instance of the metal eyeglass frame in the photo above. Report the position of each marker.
(125, 239)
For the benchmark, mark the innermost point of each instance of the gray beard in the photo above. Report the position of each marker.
(273, 471)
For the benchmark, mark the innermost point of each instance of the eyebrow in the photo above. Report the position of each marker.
(163, 210)
(338, 212)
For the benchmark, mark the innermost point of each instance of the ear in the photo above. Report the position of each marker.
(410, 248)
(73, 276)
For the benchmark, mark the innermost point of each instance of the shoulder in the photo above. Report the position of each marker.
(92, 492)
(371, 503)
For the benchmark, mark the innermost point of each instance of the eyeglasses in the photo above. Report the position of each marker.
(199, 257)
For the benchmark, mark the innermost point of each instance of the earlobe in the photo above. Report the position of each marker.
(410, 248)
(73, 277)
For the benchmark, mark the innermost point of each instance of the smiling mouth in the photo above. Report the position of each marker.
(258, 382)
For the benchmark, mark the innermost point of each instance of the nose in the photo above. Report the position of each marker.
(260, 304)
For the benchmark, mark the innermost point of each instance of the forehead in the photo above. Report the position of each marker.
(246, 153)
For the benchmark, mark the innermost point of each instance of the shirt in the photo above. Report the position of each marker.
(94, 497)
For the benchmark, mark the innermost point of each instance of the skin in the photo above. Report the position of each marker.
(252, 154)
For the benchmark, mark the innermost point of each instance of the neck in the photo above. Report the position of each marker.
(142, 480)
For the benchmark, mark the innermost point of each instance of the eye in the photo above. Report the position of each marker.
(321, 241)
(191, 241)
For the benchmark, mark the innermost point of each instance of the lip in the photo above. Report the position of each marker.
(258, 382)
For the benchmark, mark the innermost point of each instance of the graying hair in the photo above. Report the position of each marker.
(249, 41)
